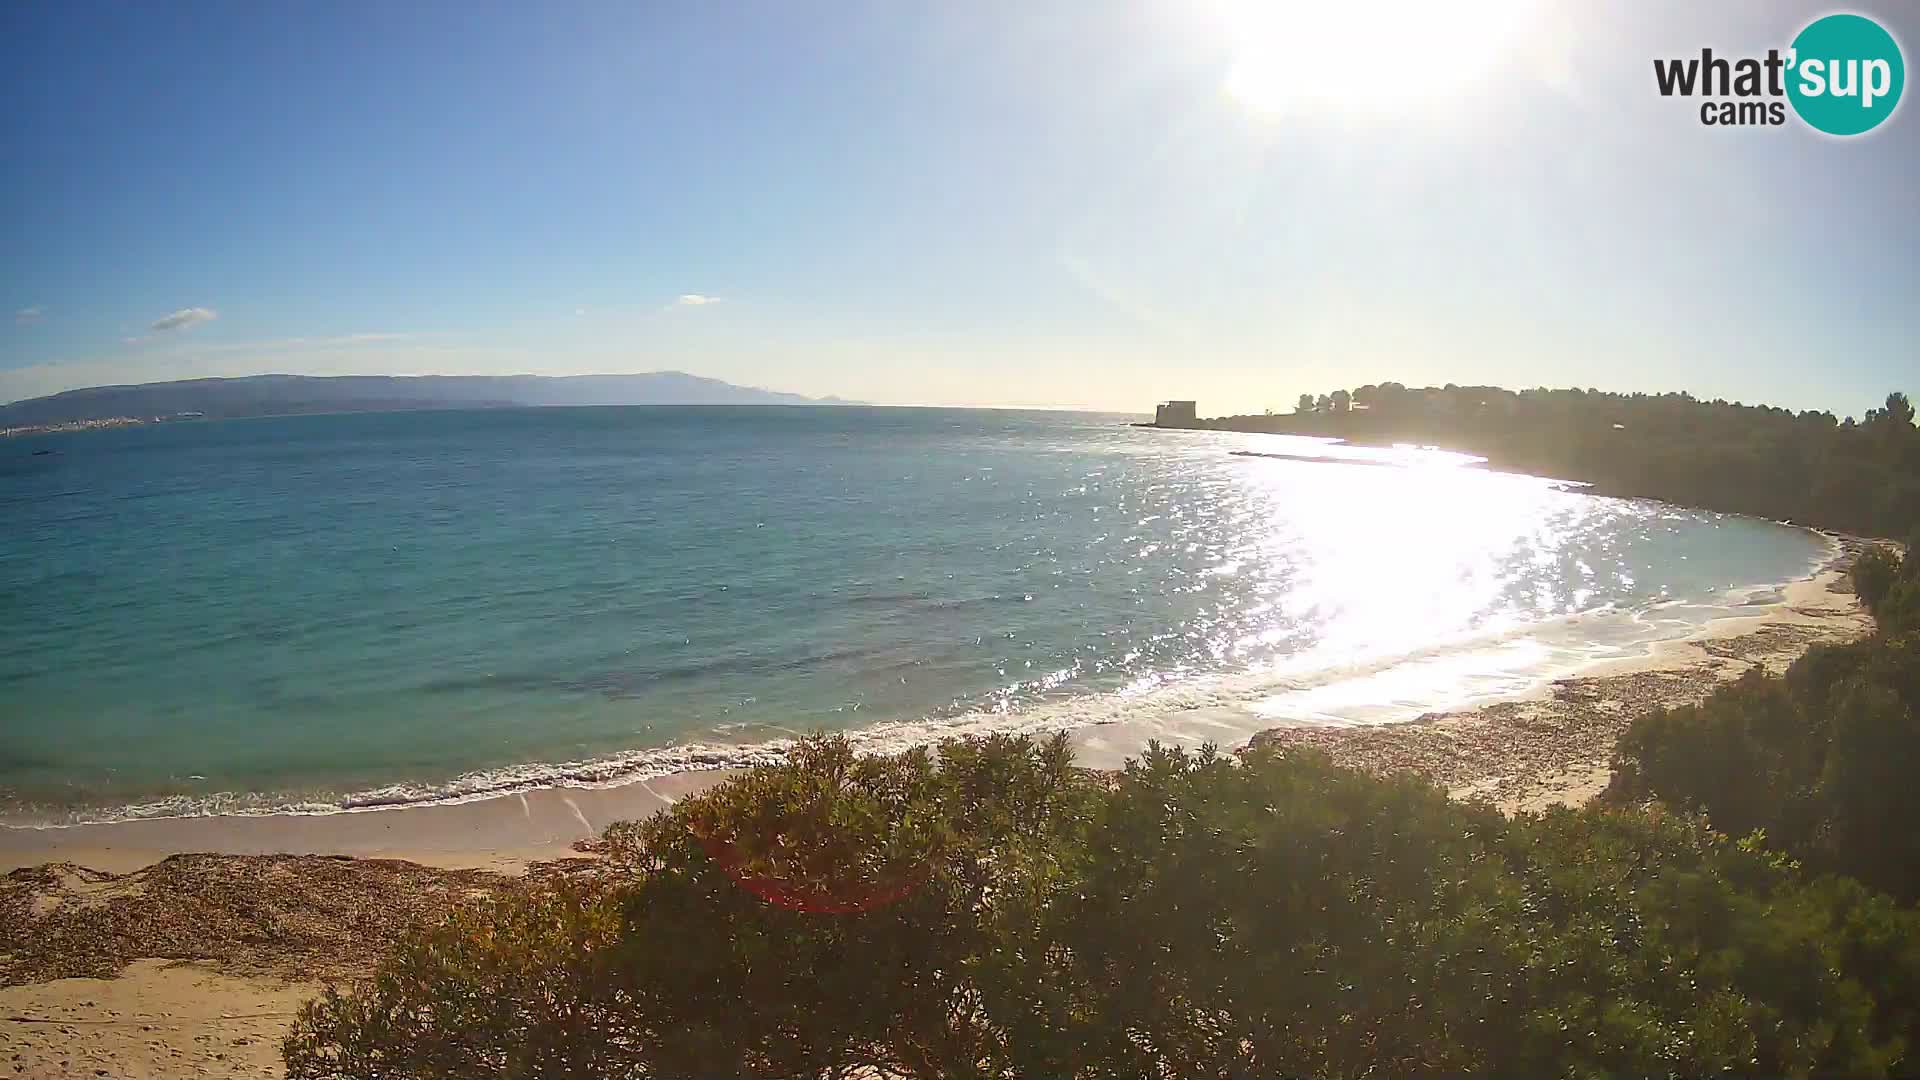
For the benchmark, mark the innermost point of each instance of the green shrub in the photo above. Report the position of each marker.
(1193, 916)
(1874, 574)
(1868, 787)
(520, 987)
(1748, 756)
(1821, 760)
(1899, 613)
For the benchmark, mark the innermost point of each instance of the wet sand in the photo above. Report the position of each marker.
(503, 833)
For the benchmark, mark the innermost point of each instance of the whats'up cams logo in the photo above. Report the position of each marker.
(1843, 75)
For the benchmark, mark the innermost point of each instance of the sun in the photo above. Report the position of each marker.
(1386, 55)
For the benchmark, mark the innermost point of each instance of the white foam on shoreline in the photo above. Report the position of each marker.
(1461, 672)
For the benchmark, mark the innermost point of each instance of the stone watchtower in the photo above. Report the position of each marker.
(1176, 414)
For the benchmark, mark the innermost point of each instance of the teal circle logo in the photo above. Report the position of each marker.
(1845, 74)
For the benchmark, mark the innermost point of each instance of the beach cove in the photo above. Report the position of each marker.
(305, 895)
(163, 922)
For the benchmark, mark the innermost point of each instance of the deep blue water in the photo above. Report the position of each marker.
(265, 612)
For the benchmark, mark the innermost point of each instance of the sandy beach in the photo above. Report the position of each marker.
(122, 958)
(1552, 747)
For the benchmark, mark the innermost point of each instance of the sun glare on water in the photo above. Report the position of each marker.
(1379, 56)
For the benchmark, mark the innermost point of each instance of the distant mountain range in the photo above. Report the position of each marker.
(280, 395)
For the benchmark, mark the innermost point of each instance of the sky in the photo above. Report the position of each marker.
(1095, 204)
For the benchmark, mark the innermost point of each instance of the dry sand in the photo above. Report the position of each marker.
(196, 965)
(119, 958)
(159, 1018)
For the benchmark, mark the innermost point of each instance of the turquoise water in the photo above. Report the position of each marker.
(352, 610)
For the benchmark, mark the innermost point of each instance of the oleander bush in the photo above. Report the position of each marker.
(992, 911)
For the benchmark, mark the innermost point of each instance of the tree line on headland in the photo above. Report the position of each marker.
(1808, 467)
(1741, 902)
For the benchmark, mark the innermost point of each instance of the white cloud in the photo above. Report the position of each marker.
(184, 319)
(694, 299)
(28, 316)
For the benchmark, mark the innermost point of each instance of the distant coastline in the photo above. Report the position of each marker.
(253, 396)
(93, 424)
(72, 425)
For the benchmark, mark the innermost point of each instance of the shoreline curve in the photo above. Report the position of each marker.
(1524, 750)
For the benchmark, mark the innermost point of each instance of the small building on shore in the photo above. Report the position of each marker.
(1176, 414)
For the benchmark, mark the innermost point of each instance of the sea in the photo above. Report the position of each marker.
(327, 613)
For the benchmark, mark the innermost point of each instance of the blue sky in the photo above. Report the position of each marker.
(980, 203)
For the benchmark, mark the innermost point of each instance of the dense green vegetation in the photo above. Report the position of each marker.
(1808, 467)
(996, 912)
(1823, 761)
